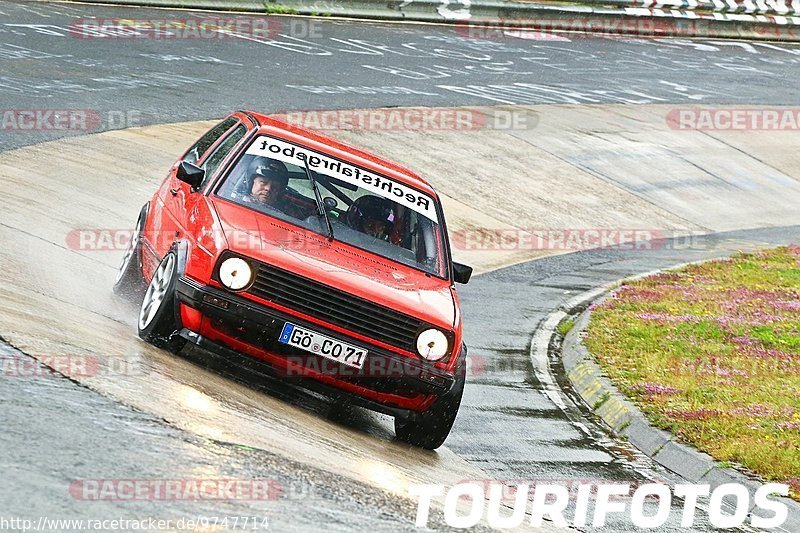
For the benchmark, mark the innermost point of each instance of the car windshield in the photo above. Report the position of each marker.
(365, 209)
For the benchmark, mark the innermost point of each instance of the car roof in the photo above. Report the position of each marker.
(272, 126)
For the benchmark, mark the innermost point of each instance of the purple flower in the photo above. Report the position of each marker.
(637, 294)
(786, 305)
(744, 340)
(763, 411)
(651, 389)
(694, 414)
(766, 353)
(729, 372)
(663, 317)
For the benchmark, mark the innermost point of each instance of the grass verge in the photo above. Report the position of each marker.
(712, 353)
(565, 326)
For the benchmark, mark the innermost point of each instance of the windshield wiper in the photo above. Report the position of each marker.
(321, 211)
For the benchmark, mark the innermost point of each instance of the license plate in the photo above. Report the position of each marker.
(320, 344)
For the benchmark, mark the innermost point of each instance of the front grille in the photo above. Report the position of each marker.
(335, 307)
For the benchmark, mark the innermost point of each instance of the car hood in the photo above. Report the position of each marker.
(336, 264)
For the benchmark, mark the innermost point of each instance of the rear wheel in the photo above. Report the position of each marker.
(158, 320)
(129, 281)
(430, 429)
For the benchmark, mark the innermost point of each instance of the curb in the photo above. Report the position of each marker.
(620, 415)
(501, 15)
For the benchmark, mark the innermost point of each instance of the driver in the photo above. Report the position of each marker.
(268, 179)
(372, 215)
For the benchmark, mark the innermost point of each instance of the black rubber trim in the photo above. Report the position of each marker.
(191, 292)
(263, 369)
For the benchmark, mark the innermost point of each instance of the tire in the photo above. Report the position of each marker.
(129, 282)
(158, 321)
(431, 428)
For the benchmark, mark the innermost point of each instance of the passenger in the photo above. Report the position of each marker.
(372, 215)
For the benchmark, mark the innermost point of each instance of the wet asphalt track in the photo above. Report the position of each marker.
(57, 431)
(314, 64)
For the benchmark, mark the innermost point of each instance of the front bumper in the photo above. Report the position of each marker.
(387, 381)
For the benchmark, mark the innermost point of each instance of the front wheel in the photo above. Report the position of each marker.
(129, 282)
(431, 428)
(158, 321)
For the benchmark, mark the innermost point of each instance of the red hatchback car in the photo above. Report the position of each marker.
(327, 263)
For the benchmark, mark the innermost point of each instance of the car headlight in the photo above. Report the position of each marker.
(432, 344)
(235, 273)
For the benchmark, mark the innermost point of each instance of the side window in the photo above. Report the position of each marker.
(206, 141)
(213, 161)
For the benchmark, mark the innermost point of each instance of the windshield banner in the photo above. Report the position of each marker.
(380, 185)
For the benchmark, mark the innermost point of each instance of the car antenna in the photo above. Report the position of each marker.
(321, 211)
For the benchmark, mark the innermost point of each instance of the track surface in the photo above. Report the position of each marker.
(508, 429)
(314, 64)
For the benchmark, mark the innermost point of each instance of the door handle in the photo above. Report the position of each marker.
(173, 192)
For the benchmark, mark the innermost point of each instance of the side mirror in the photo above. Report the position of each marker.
(461, 273)
(191, 174)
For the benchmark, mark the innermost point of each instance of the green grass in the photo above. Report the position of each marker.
(565, 327)
(278, 9)
(712, 353)
(600, 401)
